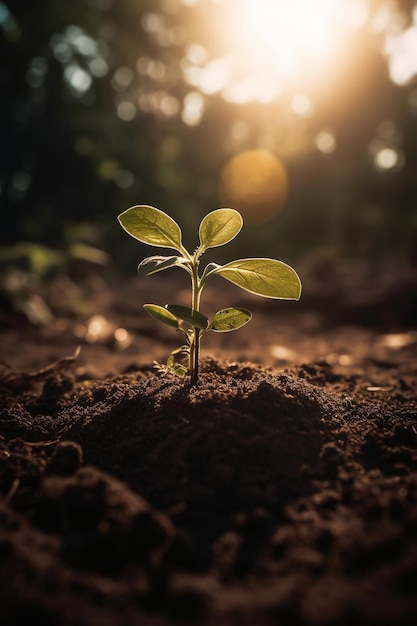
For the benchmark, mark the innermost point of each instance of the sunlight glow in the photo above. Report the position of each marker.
(292, 29)
(298, 38)
(273, 46)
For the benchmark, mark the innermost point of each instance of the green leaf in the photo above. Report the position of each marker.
(176, 368)
(219, 227)
(154, 264)
(230, 319)
(263, 277)
(161, 314)
(152, 226)
(195, 318)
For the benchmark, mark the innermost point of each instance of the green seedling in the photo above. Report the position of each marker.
(265, 277)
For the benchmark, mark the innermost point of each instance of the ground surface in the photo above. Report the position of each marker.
(280, 490)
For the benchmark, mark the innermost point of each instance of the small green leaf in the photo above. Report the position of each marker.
(230, 319)
(178, 370)
(263, 277)
(219, 227)
(152, 226)
(170, 367)
(195, 318)
(161, 314)
(154, 264)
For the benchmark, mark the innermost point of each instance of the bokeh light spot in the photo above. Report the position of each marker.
(77, 78)
(325, 142)
(152, 22)
(98, 67)
(8, 24)
(122, 78)
(107, 169)
(254, 183)
(193, 108)
(301, 104)
(388, 159)
(401, 49)
(21, 181)
(126, 111)
(40, 65)
(4, 13)
(124, 179)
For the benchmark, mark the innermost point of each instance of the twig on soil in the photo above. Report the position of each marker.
(22, 380)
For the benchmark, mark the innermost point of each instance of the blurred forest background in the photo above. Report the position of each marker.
(109, 103)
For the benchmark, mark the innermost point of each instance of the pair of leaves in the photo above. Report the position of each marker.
(156, 228)
(224, 321)
(264, 277)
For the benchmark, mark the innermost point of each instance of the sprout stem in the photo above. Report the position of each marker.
(195, 356)
(195, 305)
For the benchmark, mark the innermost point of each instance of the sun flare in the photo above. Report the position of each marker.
(273, 46)
(293, 32)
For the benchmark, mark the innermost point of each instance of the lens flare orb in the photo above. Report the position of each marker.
(254, 183)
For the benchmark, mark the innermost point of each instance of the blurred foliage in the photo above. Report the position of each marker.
(37, 280)
(97, 114)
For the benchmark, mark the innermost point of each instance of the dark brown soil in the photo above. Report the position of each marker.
(281, 490)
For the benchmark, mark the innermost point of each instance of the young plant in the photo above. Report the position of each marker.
(264, 277)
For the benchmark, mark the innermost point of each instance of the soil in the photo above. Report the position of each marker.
(280, 490)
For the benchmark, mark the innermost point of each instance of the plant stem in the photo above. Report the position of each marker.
(195, 305)
(195, 355)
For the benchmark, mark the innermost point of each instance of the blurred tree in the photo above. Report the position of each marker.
(106, 104)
